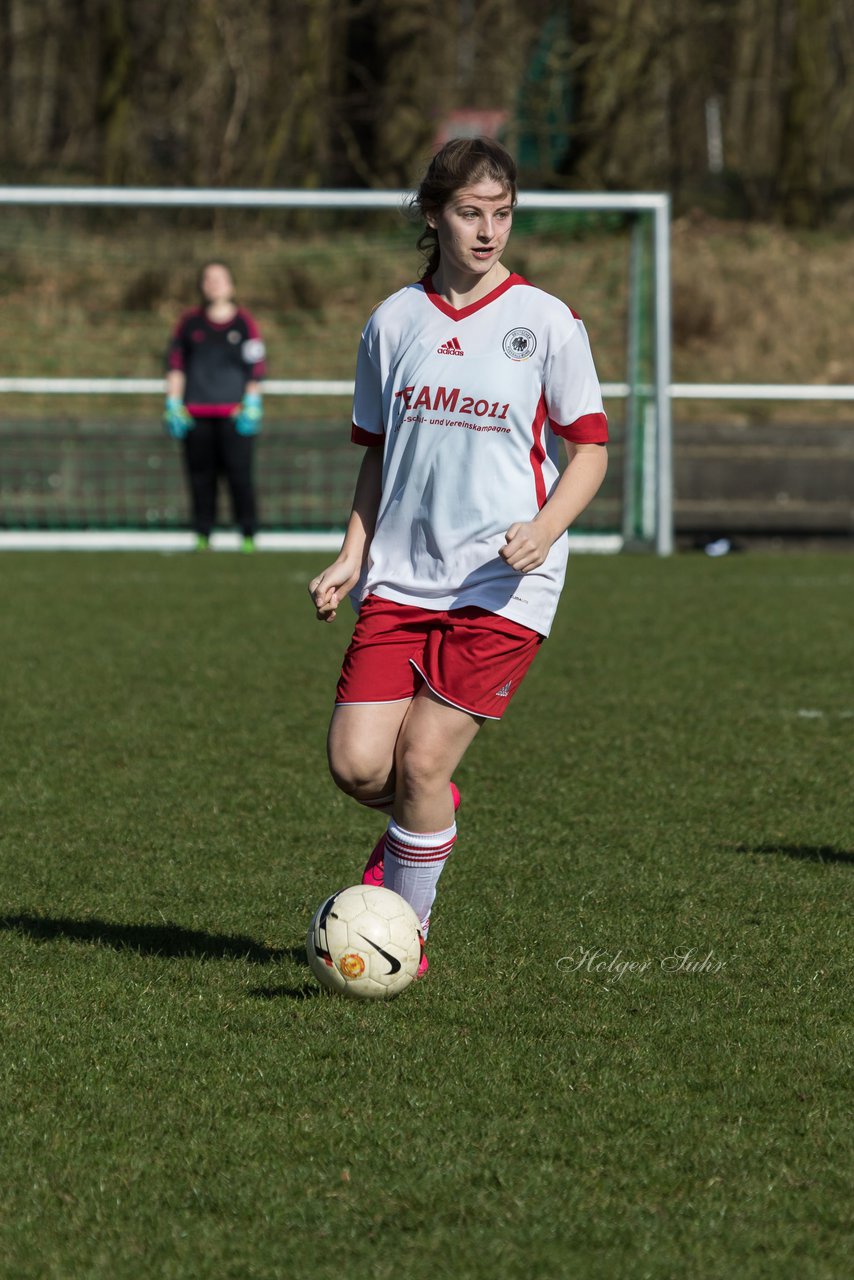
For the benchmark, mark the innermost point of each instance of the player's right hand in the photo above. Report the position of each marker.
(330, 587)
(176, 419)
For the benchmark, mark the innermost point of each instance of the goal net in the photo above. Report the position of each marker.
(93, 282)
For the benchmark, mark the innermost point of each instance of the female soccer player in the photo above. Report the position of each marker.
(215, 363)
(454, 551)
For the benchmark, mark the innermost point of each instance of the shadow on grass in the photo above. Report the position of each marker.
(172, 941)
(806, 852)
(308, 991)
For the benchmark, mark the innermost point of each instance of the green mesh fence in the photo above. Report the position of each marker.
(95, 292)
(105, 474)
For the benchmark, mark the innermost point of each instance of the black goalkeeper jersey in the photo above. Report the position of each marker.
(217, 360)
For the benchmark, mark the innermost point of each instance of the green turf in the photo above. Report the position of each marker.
(674, 780)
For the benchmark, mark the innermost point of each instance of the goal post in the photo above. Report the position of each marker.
(94, 279)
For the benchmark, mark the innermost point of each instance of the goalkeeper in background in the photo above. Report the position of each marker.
(215, 363)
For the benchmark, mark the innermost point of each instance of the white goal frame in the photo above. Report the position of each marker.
(658, 495)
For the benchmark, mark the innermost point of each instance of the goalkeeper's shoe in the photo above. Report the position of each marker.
(373, 872)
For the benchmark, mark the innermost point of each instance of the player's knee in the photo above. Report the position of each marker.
(421, 768)
(359, 777)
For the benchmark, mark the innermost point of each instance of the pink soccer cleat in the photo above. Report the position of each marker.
(423, 966)
(373, 872)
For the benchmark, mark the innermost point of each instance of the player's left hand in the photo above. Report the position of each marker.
(249, 419)
(527, 545)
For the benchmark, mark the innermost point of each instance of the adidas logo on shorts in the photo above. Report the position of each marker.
(450, 348)
(504, 691)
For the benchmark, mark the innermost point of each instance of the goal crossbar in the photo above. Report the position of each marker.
(339, 198)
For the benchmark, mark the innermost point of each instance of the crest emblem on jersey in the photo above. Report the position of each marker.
(234, 336)
(519, 344)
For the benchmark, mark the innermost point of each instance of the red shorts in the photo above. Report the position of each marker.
(473, 659)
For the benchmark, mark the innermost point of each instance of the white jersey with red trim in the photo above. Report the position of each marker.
(467, 405)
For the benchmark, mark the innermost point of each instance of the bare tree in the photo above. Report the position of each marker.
(602, 93)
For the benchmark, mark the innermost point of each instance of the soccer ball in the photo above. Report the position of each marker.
(365, 942)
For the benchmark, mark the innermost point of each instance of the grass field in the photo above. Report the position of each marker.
(670, 791)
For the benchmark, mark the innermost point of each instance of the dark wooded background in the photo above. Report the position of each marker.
(596, 94)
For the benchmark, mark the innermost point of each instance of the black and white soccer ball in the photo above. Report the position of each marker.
(365, 942)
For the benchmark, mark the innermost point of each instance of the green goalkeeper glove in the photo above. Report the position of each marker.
(176, 419)
(249, 419)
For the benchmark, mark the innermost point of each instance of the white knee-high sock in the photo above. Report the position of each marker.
(413, 863)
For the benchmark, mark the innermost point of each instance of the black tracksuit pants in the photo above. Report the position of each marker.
(214, 448)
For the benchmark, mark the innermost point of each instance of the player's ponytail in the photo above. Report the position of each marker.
(459, 163)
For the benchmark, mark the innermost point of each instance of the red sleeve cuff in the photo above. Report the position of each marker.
(592, 428)
(359, 435)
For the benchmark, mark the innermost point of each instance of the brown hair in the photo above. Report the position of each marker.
(459, 163)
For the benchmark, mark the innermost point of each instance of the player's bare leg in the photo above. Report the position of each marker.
(405, 751)
(433, 739)
(422, 831)
(360, 748)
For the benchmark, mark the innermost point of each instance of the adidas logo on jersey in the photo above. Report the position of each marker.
(450, 348)
(504, 691)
